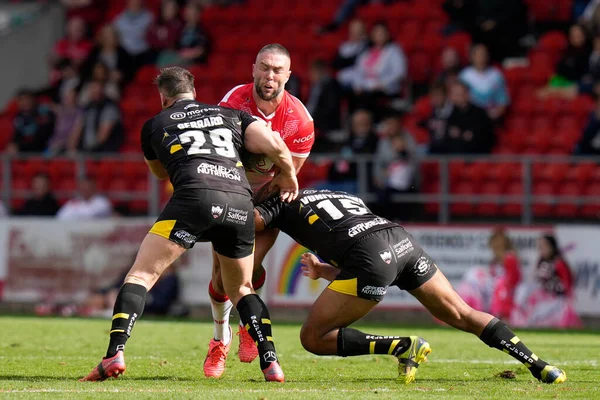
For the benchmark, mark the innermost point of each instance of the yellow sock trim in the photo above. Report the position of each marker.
(265, 321)
(116, 330)
(372, 347)
(247, 327)
(393, 346)
(120, 315)
(269, 338)
(515, 340)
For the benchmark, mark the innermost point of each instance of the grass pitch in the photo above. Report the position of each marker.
(42, 357)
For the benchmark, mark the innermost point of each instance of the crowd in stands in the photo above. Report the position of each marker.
(361, 97)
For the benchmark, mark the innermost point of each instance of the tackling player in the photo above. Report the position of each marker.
(366, 255)
(266, 99)
(197, 146)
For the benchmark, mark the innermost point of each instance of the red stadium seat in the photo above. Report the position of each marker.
(553, 41)
(513, 208)
(490, 207)
(592, 210)
(542, 209)
(568, 209)
(462, 208)
(581, 173)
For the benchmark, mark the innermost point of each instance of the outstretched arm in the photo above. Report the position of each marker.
(314, 269)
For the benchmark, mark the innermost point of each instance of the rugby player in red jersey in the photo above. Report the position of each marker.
(266, 99)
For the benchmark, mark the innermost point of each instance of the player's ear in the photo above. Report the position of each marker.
(253, 69)
(163, 101)
(194, 92)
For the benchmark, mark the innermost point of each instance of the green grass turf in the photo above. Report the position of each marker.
(45, 357)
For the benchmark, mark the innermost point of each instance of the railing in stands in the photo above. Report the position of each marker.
(444, 197)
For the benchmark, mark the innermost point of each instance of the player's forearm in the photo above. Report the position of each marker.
(278, 152)
(328, 272)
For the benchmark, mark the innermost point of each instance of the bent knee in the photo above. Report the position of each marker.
(310, 340)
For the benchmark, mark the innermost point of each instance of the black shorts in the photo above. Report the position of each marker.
(225, 219)
(389, 257)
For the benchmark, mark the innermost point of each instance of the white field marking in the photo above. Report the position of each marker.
(238, 391)
(593, 363)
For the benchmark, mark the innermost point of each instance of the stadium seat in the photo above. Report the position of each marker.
(555, 41)
(581, 173)
(592, 210)
(461, 208)
(513, 208)
(540, 208)
(568, 209)
(489, 207)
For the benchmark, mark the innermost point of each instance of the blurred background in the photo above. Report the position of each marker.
(474, 123)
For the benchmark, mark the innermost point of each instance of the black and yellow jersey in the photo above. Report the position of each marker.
(199, 145)
(326, 222)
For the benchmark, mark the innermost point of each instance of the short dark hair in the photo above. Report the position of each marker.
(275, 48)
(173, 81)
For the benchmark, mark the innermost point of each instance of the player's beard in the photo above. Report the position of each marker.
(262, 95)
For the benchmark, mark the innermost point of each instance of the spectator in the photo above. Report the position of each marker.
(68, 117)
(362, 140)
(469, 129)
(571, 67)
(68, 80)
(32, 125)
(486, 83)
(589, 144)
(43, 202)
(500, 25)
(3, 213)
(394, 169)
(462, 14)
(101, 129)
(380, 70)
(88, 204)
(590, 82)
(492, 289)
(132, 25)
(345, 11)
(74, 47)
(194, 43)
(102, 74)
(91, 11)
(324, 99)
(547, 300)
(161, 299)
(349, 51)
(450, 64)
(441, 109)
(164, 34)
(114, 57)
(591, 17)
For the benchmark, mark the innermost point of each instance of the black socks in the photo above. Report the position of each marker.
(255, 316)
(499, 336)
(352, 342)
(128, 308)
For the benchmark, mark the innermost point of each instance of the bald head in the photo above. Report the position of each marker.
(271, 71)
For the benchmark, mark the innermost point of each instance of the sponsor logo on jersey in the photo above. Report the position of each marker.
(365, 226)
(185, 236)
(386, 256)
(374, 290)
(236, 216)
(201, 123)
(216, 210)
(421, 266)
(178, 115)
(190, 106)
(219, 171)
(402, 248)
(304, 139)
